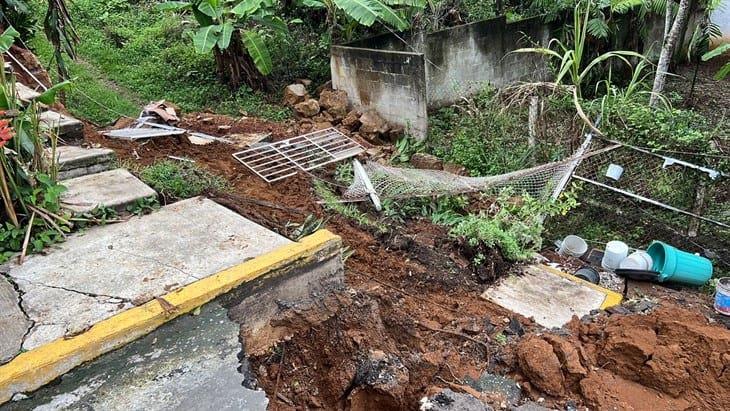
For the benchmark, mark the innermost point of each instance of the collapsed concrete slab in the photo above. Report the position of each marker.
(188, 363)
(75, 161)
(550, 297)
(66, 126)
(193, 255)
(114, 189)
(108, 269)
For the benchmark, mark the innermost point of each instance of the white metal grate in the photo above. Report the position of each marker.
(281, 159)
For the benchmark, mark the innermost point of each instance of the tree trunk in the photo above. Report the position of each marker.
(236, 68)
(668, 46)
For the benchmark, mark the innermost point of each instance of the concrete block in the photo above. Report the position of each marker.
(115, 189)
(75, 161)
(550, 297)
(25, 93)
(67, 126)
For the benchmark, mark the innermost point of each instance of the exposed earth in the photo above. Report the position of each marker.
(411, 321)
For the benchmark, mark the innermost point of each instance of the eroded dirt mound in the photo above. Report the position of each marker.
(670, 359)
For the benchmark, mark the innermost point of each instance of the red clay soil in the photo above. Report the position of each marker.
(670, 359)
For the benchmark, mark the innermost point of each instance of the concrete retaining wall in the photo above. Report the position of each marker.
(402, 78)
(391, 82)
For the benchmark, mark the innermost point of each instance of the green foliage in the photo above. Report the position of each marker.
(515, 225)
(720, 50)
(633, 121)
(297, 231)
(143, 206)
(132, 53)
(484, 138)
(332, 203)
(405, 148)
(218, 20)
(572, 57)
(179, 180)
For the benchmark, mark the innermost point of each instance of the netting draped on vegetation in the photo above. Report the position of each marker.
(394, 182)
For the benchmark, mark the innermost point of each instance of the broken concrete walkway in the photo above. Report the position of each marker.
(189, 363)
(115, 189)
(108, 269)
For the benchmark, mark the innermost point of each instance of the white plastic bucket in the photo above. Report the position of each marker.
(638, 260)
(614, 172)
(573, 246)
(615, 252)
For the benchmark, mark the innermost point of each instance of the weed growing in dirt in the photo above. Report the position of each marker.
(332, 203)
(178, 180)
(486, 139)
(514, 224)
(143, 206)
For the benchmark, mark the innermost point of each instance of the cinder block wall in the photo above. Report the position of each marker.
(391, 82)
(403, 77)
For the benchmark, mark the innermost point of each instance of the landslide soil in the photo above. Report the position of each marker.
(410, 293)
(670, 359)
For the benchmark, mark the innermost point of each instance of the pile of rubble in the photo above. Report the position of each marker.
(333, 109)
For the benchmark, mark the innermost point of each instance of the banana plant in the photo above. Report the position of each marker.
(391, 13)
(720, 50)
(226, 27)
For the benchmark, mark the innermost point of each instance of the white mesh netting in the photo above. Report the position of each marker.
(393, 182)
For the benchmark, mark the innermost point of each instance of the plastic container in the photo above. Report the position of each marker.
(722, 296)
(638, 260)
(679, 266)
(614, 172)
(573, 246)
(589, 274)
(615, 252)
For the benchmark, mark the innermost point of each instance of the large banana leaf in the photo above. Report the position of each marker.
(258, 51)
(7, 38)
(367, 12)
(225, 38)
(246, 7)
(206, 38)
(211, 9)
(49, 96)
(411, 3)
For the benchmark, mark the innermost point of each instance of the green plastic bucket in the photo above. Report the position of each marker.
(679, 266)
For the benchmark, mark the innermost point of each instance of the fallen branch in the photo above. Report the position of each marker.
(26, 240)
(466, 337)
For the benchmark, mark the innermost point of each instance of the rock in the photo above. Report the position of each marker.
(569, 356)
(307, 108)
(322, 125)
(352, 120)
(294, 94)
(373, 124)
(380, 383)
(224, 128)
(325, 86)
(531, 406)
(426, 161)
(396, 132)
(540, 365)
(323, 117)
(304, 81)
(334, 102)
(448, 400)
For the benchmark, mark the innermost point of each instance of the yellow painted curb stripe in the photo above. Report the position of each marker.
(612, 298)
(32, 369)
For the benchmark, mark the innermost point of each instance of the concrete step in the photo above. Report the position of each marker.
(114, 188)
(25, 93)
(75, 161)
(67, 126)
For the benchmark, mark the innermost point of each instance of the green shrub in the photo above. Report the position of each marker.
(514, 224)
(178, 180)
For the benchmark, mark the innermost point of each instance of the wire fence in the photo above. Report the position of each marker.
(638, 196)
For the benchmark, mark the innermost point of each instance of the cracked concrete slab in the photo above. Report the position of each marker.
(75, 161)
(103, 271)
(114, 189)
(190, 363)
(13, 323)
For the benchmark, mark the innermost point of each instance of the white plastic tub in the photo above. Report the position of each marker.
(616, 251)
